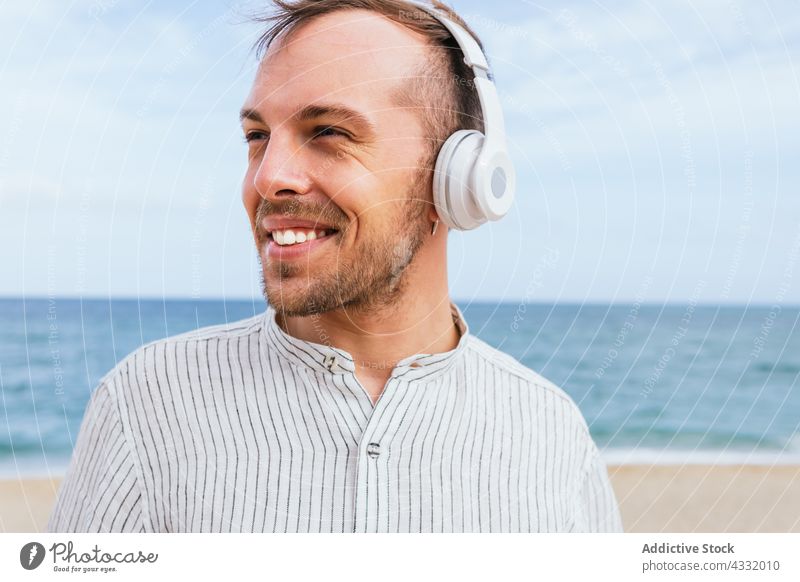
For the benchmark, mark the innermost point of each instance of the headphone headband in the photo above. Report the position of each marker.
(475, 177)
(476, 60)
(473, 55)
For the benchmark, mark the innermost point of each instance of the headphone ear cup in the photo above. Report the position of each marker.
(453, 180)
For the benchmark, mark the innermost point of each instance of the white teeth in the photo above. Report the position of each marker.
(290, 237)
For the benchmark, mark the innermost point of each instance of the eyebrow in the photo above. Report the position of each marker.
(311, 112)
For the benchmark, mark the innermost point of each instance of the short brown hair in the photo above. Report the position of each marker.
(444, 86)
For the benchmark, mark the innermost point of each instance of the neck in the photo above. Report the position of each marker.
(418, 321)
(378, 340)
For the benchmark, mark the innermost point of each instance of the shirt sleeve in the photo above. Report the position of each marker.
(597, 509)
(100, 491)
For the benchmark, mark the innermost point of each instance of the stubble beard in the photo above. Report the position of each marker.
(370, 280)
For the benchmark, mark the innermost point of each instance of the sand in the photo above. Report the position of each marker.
(657, 498)
(708, 498)
(25, 504)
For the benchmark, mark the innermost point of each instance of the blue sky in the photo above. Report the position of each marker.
(656, 146)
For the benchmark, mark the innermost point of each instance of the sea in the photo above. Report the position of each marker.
(671, 383)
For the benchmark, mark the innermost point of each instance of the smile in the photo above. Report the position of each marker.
(296, 242)
(293, 236)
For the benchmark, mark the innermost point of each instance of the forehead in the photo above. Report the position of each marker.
(355, 56)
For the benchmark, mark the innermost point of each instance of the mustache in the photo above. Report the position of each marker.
(325, 213)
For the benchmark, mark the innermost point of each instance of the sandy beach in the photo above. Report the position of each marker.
(708, 498)
(653, 498)
(25, 504)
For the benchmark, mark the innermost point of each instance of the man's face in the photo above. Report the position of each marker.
(330, 154)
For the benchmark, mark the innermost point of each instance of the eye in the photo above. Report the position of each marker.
(255, 135)
(328, 131)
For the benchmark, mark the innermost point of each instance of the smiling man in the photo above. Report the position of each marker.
(359, 401)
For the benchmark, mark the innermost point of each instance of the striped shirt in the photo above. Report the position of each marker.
(244, 428)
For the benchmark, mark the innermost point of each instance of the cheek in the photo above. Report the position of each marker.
(250, 196)
(360, 193)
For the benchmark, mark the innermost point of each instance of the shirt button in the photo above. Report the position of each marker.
(373, 450)
(329, 362)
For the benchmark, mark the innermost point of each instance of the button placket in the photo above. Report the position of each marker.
(372, 464)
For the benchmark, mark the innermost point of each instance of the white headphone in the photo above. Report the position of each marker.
(474, 178)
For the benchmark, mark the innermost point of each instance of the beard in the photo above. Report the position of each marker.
(365, 279)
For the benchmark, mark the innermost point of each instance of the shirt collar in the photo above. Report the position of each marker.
(331, 360)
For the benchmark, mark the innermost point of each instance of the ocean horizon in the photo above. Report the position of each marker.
(657, 383)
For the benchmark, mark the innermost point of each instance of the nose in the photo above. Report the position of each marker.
(281, 169)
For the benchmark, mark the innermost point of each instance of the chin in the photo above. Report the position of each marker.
(292, 297)
(295, 306)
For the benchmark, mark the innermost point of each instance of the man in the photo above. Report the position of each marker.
(359, 401)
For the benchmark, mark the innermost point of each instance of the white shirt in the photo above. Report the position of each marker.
(242, 427)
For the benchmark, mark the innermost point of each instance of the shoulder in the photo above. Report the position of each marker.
(553, 415)
(506, 364)
(161, 358)
(220, 332)
(545, 395)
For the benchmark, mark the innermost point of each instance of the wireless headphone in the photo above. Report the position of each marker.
(474, 178)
